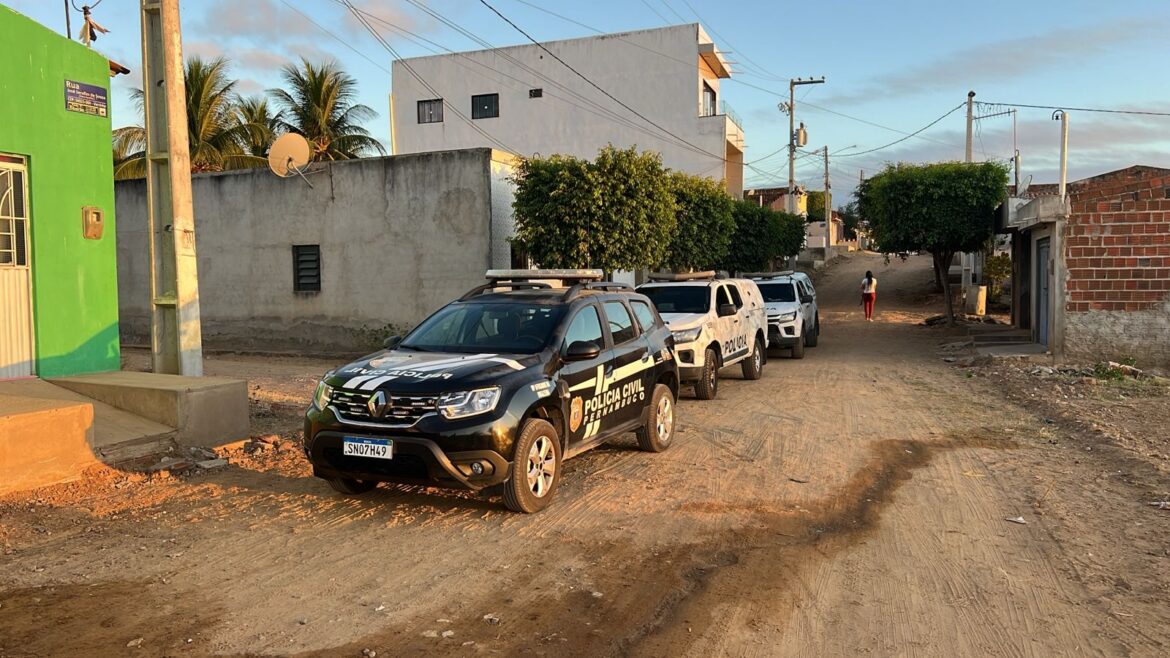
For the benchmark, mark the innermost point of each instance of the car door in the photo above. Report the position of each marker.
(731, 327)
(625, 392)
(584, 379)
(807, 305)
(753, 311)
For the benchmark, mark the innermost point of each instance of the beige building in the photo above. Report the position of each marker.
(523, 100)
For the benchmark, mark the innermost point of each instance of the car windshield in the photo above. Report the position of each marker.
(778, 292)
(486, 327)
(679, 299)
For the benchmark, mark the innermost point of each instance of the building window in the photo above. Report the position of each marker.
(708, 109)
(485, 106)
(430, 111)
(535, 93)
(306, 268)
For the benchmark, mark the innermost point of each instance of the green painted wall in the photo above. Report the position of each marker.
(75, 287)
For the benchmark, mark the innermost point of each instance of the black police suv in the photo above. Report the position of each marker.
(498, 388)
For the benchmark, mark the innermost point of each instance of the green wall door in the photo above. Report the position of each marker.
(16, 328)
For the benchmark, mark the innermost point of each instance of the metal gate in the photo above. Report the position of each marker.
(16, 325)
(1043, 249)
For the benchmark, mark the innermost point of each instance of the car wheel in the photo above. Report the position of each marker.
(658, 430)
(708, 385)
(350, 486)
(798, 348)
(536, 468)
(815, 333)
(753, 366)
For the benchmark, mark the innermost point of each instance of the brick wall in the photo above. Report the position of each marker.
(1117, 251)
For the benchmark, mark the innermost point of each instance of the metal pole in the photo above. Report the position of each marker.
(1063, 153)
(1016, 152)
(176, 343)
(970, 123)
(68, 27)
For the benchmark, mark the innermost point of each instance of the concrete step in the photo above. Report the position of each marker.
(1002, 338)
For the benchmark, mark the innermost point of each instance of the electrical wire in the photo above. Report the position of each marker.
(898, 141)
(1150, 113)
(762, 72)
(339, 39)
(667, 5)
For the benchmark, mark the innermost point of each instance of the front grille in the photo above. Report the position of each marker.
(400, 409)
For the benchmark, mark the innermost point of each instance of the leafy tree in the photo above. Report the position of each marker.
(997, 269)
(615, 213)
(216, 135)
(705, 223)
(264, 125)
(762, 236)
(318, 102)
(816, 206)
(940, 208)
(850, 219)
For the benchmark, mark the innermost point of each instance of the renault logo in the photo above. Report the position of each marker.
(377, 404)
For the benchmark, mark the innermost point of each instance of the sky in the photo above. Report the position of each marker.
(891, 68)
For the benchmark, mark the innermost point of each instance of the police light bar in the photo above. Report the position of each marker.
(566, 275)
(768, 275)
(682, 276)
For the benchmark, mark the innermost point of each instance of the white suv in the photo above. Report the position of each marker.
(793, 319)
(715, 322)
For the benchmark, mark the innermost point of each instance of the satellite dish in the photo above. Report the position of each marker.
(1024, 188)
(288, 155)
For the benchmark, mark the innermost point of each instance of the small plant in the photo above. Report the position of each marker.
(1128, 361)
(1106, 371)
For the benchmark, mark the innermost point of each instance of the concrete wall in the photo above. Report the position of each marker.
(399, 238)
(658, 72)
(74, 280)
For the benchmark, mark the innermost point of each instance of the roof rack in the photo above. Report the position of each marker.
(768, 275)
(683, 276)
(531, 275)
(594, 285)
(514, 285)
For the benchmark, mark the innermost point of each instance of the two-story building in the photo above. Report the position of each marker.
(657, 89)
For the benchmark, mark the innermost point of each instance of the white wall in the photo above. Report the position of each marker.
(657, 72)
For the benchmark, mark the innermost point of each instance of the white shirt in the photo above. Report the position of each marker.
(869, 285)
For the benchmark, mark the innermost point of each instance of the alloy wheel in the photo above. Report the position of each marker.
(664, 419)
(542, 466)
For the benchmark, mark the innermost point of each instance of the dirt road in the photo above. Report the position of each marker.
(850, 502)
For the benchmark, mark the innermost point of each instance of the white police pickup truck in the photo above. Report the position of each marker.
(715, 323)
(793, 318)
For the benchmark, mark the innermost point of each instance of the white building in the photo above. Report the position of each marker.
(533, 104)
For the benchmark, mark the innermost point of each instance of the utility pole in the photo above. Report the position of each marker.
(1063, 151)
(790, 198)
(828, 206)
(68, 27)
(175, 342)
(970, 124)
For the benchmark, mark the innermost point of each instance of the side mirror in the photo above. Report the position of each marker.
(582, 350)
(391, 342)
(726, 310)
(806, 299)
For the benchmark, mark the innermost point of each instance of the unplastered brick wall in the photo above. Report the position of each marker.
(1117, 251)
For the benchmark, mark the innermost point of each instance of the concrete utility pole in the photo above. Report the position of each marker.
(970, 124)
(175, 342)
(828, 205)
(790, 198)
(1063, 152)
(68, 27)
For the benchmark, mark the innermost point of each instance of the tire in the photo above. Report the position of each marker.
(798, 348)
(350, 486)
(658, 430)
(708, 385)
(753, 366)
(536, 468)
(815, 334)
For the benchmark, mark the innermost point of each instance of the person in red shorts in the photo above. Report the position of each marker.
(868, 294)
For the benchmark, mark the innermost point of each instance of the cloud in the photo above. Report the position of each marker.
(1007, 59)
(202, 49)
(255, 20)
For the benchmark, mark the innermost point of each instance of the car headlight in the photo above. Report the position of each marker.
(321, 395)
(687, 335)
(786, 317)
(468, 403)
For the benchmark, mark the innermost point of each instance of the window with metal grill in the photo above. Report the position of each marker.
(306, 268)
(430, 111)
(535, 93)
(485, 106)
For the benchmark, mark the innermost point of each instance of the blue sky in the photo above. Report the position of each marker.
(892, 67)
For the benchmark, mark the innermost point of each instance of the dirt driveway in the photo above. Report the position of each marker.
(851, 502)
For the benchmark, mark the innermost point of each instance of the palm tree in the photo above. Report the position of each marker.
(264, 126)
(318, 103)
(215, 132)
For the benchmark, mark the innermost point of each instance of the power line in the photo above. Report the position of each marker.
(913, 134)
(1150, 113)
(658, 13)
(763, 72)
(667, 5)
(342, 41)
